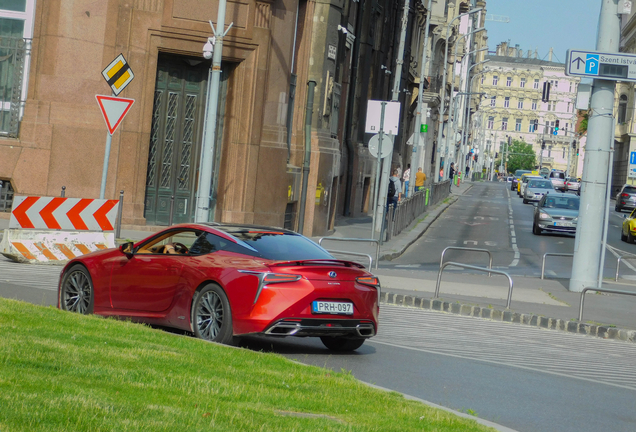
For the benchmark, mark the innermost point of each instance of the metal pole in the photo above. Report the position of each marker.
(376, 192)
(311, 86)
(119, 214)
(589, 229)
(608, 193)
(202, 213)
(397, 78)
(102, 189)
(587, 243)
(443, 95)
(171, 210)
(418, 115)
(63, 194)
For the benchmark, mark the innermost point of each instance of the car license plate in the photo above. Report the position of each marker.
(563, 224)
(330, 307)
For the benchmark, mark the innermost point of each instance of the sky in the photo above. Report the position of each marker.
(541, 24)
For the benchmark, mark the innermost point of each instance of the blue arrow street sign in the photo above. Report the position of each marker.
(593, 64)
(632, 158)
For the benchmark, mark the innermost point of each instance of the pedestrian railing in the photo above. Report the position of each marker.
(377, 245)
(338, 252)
(471, 267)
(552, 254)
(618, 263)
(441, 260)
(609, 291)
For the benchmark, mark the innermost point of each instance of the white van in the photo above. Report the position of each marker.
(558, 180)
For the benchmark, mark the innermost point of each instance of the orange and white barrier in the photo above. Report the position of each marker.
(54, 230)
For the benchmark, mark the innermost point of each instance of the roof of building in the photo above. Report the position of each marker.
(523, 61)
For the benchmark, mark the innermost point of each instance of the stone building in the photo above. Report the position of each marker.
(513, 83)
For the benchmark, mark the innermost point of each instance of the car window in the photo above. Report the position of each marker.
(558, 175)
(207, 243)
(629, 189)
(541, 184)
(157, 243)
(562, 202)
(278, 245)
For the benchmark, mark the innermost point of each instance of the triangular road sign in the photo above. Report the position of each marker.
(114, 110)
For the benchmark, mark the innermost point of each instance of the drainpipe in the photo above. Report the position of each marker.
(292, 90)
(353, 81)
(311, 86)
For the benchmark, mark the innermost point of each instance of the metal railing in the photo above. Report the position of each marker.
(628, 293)
(332, 251)
(411, 208)
(377, 245)
(618, 263)
(471, 267)
(13, 54)
(552, 254)
(441, 259)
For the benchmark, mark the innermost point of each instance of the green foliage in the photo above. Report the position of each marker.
(520, 156)
(583, 125)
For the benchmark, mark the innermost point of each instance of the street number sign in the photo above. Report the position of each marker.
(594, 64)
(118, 74)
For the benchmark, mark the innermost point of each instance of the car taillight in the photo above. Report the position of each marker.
(624, 195)
(371, 281)
(271, 278)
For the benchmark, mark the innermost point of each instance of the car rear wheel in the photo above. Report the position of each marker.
(76, 293)
(623, 236)
(525, 201)
(630, 237)
(536, 230)
(211, 315)
(341, 344)
(617, 208)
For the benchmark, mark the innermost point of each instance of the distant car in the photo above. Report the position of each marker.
(556, 212)
(572, 184)
(626, 198)
(536, 188)
(220, 281)
(628, 230)
(524, 182)
(509, 179)
(558, 179)
(516, 177)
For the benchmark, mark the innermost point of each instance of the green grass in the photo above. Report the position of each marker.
(66, 372)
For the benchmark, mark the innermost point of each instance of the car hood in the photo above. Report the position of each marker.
(559, 212)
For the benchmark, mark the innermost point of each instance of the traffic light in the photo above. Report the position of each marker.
(543, 145)
(556, 127)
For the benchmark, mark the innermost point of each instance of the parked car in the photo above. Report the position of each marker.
(628, 230)
(536, 188)
(524, 182)
(626, 198)
(222, 281)
(558, 179)
(516, 177)
(556, 212)
(572, 184)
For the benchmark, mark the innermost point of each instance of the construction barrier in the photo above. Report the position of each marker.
(53, 230)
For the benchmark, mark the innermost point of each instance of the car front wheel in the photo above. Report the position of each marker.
(76, 292)
(623, 236)
(212, 316)
(536, 230)
(341, 344)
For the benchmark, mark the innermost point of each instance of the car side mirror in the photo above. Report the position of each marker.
(127, 249)
(535, 204)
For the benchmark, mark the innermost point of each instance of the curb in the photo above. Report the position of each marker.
(603, 332)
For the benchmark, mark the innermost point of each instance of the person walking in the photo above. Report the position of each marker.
(406, 177)
(451, 174)
(467, 173)
(420, 178)
(393, 193)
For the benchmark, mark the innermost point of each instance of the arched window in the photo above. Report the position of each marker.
(622, 109)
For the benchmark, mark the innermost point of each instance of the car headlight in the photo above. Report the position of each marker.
(543, 215)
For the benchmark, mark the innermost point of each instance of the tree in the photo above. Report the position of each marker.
(583, 125)
(520, 156)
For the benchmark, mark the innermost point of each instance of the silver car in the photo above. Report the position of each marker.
(558, 180)
(556, 212)
(572, 184)
(535, 189)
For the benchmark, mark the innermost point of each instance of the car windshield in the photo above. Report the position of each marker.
(557, 175)
(540, 184)
(629, 189)
(518, 173)
(279, 246)
(562, 202)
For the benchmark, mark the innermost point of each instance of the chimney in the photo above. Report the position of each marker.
(550, 55)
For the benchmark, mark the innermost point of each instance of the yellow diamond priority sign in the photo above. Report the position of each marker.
(118, 74)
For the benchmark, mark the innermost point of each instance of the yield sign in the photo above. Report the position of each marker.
(114, 110)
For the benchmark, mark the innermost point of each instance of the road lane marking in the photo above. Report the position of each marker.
(513, 236)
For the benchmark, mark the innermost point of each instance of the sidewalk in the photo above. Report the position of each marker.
(543, 303)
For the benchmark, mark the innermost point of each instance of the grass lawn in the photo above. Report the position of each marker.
(66, 372)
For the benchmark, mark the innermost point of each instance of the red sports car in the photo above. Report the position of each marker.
(221, 281)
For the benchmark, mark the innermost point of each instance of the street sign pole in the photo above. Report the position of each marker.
(588, 241)
(102, 189)
(376, 190)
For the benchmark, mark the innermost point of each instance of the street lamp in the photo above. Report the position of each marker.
(443, 101)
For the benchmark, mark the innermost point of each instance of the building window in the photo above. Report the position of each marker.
(507, 102)
(523, 83)
(569, 106)
(508, 81)
(495, 80)
(504, 123)
(550, 151)
(518, 125)
(482, 79)
(533, 126)
(622, 109)
(534, 104)
(536, 84)
(570, 86)
(520, 104)
(563, 153)
(491, 122)
(567, 126)
(493, 101)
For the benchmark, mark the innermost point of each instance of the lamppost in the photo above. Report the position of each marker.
(443, 101)
(213, 49)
